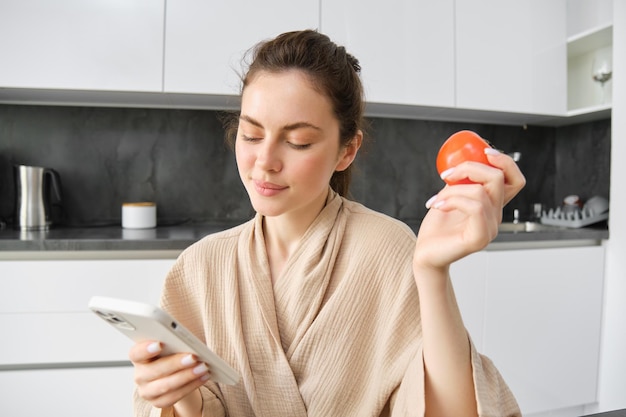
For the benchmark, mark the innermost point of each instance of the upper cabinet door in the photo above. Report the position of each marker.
(405, 47)
(82, 45)
(206, 40)
(511, 56)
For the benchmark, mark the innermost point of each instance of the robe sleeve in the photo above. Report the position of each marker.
(493, 396)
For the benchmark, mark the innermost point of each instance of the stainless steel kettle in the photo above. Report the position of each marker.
(37, 189)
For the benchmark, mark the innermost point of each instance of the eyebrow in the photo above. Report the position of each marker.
(289, 127)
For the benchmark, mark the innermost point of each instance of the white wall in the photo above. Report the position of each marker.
(612, 382)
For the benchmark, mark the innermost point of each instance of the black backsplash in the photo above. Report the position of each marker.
(177, 158)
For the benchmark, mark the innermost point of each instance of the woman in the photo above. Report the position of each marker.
(326, 308)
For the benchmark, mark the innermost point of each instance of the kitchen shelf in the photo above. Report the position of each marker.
(590, 40)
(599, 110)
(585, 97)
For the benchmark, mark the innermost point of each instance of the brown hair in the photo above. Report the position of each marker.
(329, 67)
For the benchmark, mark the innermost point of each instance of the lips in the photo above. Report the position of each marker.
(268, 189)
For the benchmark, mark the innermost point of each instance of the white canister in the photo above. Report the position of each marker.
(139, 215)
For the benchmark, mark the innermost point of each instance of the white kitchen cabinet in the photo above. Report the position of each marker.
(56, 286)
(406, 48)
(589, 48)
(537, 314)
(47, 301)
(54, 349)
(511, 56)
(543, 316)
(82, 45)
(93, 392)
(586, 53)
(205, 41)
(584, 16)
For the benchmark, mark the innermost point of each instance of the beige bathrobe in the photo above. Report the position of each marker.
(339, 334)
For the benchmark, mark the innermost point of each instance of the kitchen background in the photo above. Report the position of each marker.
(178, 158)
(502, 63)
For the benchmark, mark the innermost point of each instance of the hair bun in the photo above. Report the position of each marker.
(354, 63)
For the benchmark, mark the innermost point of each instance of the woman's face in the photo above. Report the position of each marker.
(287, 145)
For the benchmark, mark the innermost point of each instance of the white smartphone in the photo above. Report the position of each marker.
(141, 322)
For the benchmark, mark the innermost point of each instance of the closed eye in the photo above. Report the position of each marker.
(298, 146)
(250, 139)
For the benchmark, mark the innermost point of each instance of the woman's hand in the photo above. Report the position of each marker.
(170, 380)
(464, 218)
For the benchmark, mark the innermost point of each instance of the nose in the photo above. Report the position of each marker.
(268, 155)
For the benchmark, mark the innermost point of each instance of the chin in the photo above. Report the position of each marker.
(266, 209)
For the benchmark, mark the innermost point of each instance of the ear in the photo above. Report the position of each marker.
(348, 153)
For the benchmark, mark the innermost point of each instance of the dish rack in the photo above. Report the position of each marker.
(574, 219)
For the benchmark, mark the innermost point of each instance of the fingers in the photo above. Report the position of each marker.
(474, 202)
(514, 180)
(473, 196)
(165, 380)
(171, 380)
(503, 179)
(466, 216)
(479, 204)
(486, 182)
(144, 351)
(476, 172)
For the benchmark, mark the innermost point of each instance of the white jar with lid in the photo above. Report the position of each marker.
(141, 215)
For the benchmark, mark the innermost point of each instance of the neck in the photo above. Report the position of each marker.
(283, 233)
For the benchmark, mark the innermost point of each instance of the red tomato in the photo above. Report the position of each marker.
(460, 147)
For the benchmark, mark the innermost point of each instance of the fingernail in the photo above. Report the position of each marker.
(492, 151)
(201, 369)
(205, 377)
(439, 203)
(446, 173)
(188, 360)
(154, 347)
(430, 201)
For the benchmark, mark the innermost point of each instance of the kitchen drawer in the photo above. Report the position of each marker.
(67, 286)
(44, 340)
(94, 392)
